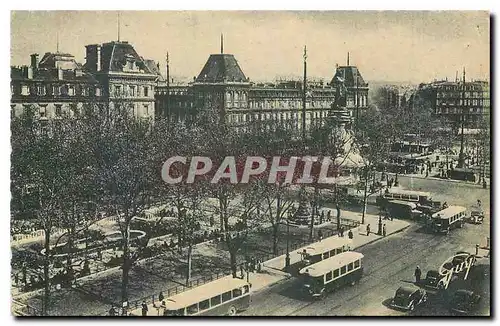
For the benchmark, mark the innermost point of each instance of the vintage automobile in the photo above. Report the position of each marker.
(476, 215)
(464, 301)
(408, 297)
(432, 280)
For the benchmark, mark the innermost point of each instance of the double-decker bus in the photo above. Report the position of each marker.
(448, 218)
(332, 273)
(225, 296)
(324, 249)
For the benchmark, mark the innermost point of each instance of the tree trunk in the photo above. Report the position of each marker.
(189, 261)
(46, 276)
(275, 238)
(365, 195)
(232, 259)
(126, 265)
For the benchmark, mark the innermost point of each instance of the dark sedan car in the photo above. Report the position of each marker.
(408, 297)
(464, 302)
(432, 279)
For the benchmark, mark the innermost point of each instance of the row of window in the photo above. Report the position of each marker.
(458, 93)
(457, 217)
(339, 272)
(474, 102)
(276, 116)
(131, 90)
(56, 90)
(405, 197)
(333, 252)
(217, 300)
(458, 110)
(287, 104)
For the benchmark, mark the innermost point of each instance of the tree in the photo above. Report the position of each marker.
(374, 140)
(39, 175)
(127, 171)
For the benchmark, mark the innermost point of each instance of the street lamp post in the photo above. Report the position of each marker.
(287, 258)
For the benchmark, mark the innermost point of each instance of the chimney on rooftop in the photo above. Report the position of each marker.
(93, 57)
(30, 72)
(34, 61)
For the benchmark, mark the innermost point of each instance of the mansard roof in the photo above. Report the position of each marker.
(221, 68)
(351, 76)
(115, 55)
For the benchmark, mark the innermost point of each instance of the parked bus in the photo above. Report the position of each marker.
(403, 209)
(332, 273)
(225, 296)
(324, 249)
(448, 218)
(420, 197)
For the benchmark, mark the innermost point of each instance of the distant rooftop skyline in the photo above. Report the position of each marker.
(386, 46)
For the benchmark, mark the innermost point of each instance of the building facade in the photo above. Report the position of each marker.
(53, 87)
(114, 72)
(467, 101)
(59, 86)
(222, 84)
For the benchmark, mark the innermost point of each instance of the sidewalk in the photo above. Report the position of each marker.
(360, 239)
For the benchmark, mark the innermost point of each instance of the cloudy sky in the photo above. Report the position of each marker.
(386, 46)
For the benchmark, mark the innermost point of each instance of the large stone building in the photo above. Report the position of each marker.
(458, 101)
(54, 86)
(114, 72)
(124, 75)
(222, 84)
(57, 85)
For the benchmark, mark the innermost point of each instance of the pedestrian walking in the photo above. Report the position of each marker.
(479, 203)
(384, 231)
(242, 272)
(368, 230)
(16, 279)
(418, 274)
(329, 216)
(342, 231)
(320, 235)
(350, 235)
(160, 296)
(144, 308)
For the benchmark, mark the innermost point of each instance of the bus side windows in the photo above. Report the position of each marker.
(192, 309)
(328, 276)
(226, 296)
(205, 304)
(336, 273)
(332, 252)
(246, 289)
(343, 270)
(339, 250)
(325, 255)
(356, 264)
(215, 301)
(236, 293)
(350, 267)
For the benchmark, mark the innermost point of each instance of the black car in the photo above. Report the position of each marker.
(464, 301)
(408, 297)
(432, 279)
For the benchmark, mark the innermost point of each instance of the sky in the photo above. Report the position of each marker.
(396, 46)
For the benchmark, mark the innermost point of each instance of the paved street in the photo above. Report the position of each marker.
(388, 263)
